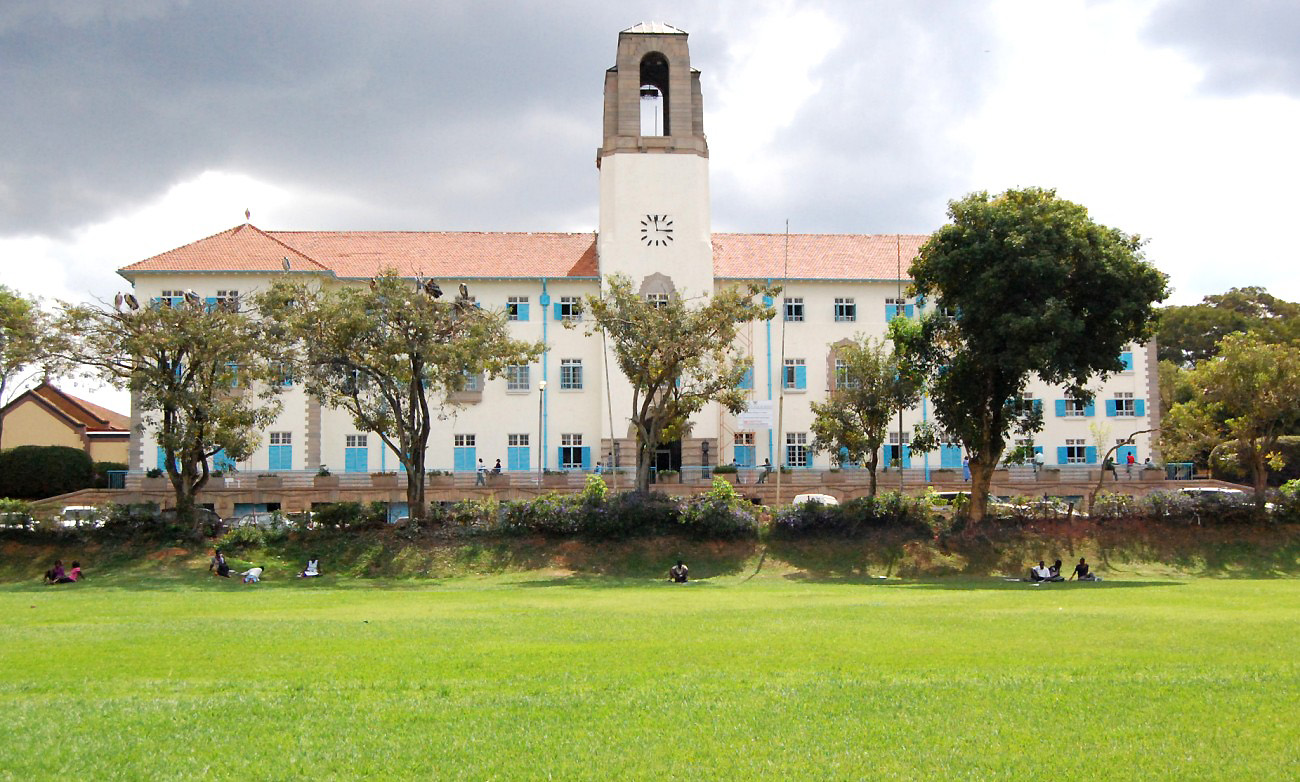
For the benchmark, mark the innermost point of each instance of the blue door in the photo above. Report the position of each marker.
(744, 455)
(518, 459)
(465, 460)
(950, 456)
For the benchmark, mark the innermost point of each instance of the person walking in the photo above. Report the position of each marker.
(767, 470)
(480, 478)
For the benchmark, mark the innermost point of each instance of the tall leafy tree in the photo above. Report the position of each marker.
(21, 339)
(392, 354)
(1250, 394)
(206, 379)
(677, 355)
(1024, 284)
(871, 386)
(1189, 334)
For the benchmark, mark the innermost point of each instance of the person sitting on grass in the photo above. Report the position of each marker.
(218, 564)
(312, 570)
(54, 574)
(1083, 572)
(677, 573)
(74, 575)
(1054, 572)
(253, 575)
(1040, 572)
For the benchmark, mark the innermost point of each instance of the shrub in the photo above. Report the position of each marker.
(245, 537)
(719, 512)
(1226, 463)
(38, 471)
(726, 469)
(101, 470)
(889, 510)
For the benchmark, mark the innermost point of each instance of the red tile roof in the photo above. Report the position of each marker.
(359, 254)
(814, 256)
(76, 411)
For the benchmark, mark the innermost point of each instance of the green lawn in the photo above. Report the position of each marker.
(522, 677)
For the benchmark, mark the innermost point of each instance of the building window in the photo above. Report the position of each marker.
(1076, 452)
(170, 298)
(846, 310)
(472, 383)
(284, 372)
(570, 374)
(1123, 404)
(280, 453)
(742, 450)
(463, 453)
(569, 308)
(657, 300)
(572, 455)
(796, 449)
(1075, 408)
(356, 454)
(794, 309)
(517, 308)
(842, 377)
(897, 308)
(228, 300)
(896, 457)
(517, 453)
(517, 377)
(1126, 358)
(796, 375)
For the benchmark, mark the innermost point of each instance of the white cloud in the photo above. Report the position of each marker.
(1084, 106)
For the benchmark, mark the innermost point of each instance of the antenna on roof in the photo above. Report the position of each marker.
(248, 215)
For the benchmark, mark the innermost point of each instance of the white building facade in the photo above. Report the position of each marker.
(655, 228)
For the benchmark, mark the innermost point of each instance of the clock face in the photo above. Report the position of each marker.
(656, 230)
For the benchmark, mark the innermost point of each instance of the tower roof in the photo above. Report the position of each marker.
(653, 28)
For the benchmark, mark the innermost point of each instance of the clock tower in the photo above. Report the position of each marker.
(654, 166)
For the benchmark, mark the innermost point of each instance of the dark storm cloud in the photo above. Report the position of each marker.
(480, 115)
(1246, 47)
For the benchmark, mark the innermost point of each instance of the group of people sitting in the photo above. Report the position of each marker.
(1043, 572)
(253, 575)
(56, 574)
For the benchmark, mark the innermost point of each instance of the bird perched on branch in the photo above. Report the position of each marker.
(117, 301)
(131, 302)
(431, 288)
(192, 299)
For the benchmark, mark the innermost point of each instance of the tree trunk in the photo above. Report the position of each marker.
(415, 507)
(643, 467)
(981, 476)
(1259, 476)
(871, 471)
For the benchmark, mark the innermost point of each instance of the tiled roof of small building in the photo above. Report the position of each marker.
(76, 410)
(361, 254)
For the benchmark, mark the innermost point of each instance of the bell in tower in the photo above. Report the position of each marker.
(653, 67)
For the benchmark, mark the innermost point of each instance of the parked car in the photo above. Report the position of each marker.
(204, 516)
(79, 516)
(821, 499)
(256, 519)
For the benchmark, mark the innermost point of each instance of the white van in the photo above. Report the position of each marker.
(79, 516)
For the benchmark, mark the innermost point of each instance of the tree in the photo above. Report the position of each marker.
(677, 357)
(1025, 284)
(1249, 394)
(392, 354)
(206, 378)
(21, 342)
(871, 386)
(1189, 334)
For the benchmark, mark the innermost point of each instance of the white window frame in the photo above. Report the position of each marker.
(571, 308)
(796, 449)
(793, 309)
(1076, 451)
(519, 378)
(571, 376)
(512, 306)
(846, 309)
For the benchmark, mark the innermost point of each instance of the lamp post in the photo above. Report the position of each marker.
(541, 394)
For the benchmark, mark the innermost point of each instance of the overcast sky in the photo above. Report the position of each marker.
(134, 126)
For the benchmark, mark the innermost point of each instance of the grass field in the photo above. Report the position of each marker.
(527, 676)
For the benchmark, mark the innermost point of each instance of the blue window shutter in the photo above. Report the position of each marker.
(1090, 409)
(767, 301)
(1038, 449)
(559, 458)
(1126, 358)
(559, 313)
(907, 456)
(586, 457)
(1139, 407)
(521, 311)
(1060, 408)
(911, 310)
(162, 458)
(211, 303)
(517, 458)
(1062, 454)
(801, 376)
(744, 455)
(1090, 454)
(747, 380)
(1110, 407)
(1038, 406)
